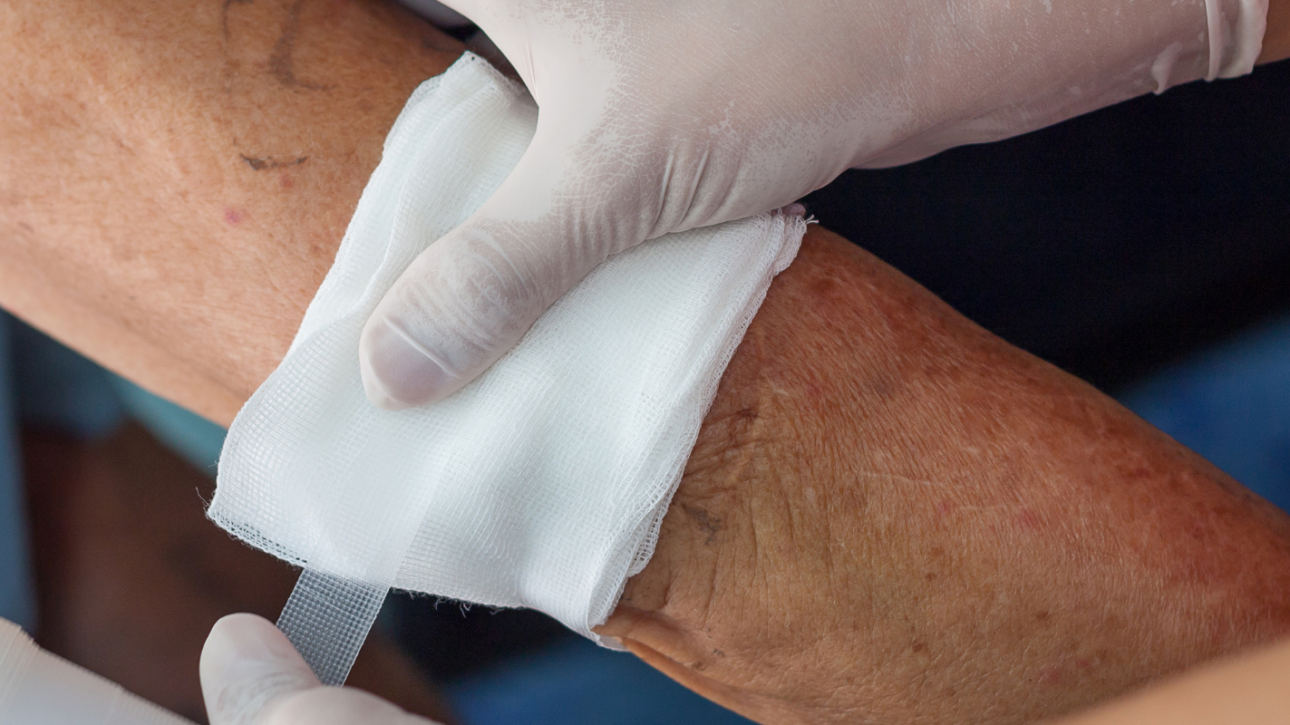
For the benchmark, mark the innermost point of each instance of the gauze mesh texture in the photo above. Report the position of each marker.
(541, 484)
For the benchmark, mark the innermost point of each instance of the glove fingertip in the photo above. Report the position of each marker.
(399, 373)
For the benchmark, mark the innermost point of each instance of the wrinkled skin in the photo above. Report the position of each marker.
(890, 515)
(893, 516)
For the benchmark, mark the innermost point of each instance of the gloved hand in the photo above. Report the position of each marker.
(657, 116)
(251, 675)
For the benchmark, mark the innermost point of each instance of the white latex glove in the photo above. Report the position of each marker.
(251, 675)
(658, 116)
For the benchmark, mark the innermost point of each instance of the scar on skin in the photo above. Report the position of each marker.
(268, 162)
(708, 522)
(280, 63)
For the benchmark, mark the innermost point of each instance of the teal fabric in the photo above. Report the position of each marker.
(17, 599)
(578, 683)
(58, 389)
(196, 439)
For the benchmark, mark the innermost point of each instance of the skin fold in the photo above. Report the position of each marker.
(890, 515)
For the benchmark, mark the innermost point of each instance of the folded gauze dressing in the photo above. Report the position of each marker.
(543, 483)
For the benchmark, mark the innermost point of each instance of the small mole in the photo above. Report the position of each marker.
(232, 216)
(286, 181)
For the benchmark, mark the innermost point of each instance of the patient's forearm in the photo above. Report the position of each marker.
(892, 515)
(889, 513)
(175, 176)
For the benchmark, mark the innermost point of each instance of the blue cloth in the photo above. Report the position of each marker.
(17, 601)
(196, 439)
(578, 683)
(59, 389)
(1230, 404)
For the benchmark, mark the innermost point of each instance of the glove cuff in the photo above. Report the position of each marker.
(1236, 30)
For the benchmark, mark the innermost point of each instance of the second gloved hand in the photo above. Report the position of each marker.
(658, 116)
(251, 675)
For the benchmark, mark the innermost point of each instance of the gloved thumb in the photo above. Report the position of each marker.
(248, 669)
(251, 675)
(471, 295)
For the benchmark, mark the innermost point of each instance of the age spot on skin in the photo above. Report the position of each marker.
(286, 181)
(708, 522)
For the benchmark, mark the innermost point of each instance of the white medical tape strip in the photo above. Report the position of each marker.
(327, 619)
(543, 483)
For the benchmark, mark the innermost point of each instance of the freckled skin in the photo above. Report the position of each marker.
(890, 497)
(984, 526)
(134, 133)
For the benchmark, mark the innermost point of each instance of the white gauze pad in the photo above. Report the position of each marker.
(543, 483)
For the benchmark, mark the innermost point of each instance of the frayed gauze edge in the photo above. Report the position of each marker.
(543, 483)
